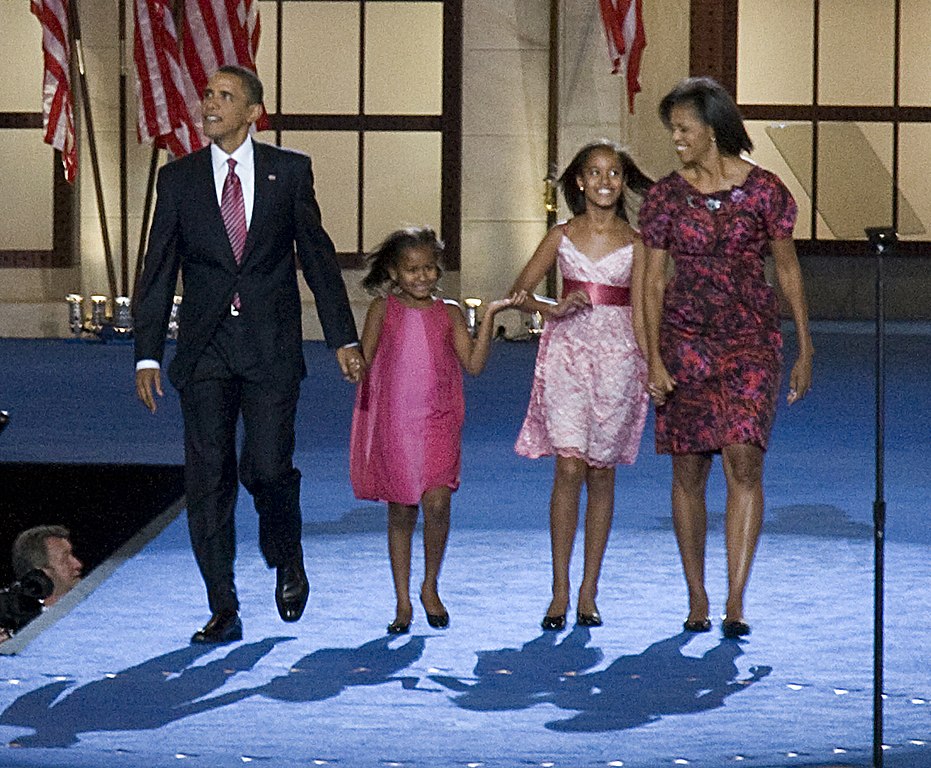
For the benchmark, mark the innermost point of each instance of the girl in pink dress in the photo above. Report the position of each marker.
(588, 403)
(407, 422)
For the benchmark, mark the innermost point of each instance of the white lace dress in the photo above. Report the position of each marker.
(588, 399)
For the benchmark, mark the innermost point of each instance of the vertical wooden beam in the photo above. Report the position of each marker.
(451, 152)
(713, 41)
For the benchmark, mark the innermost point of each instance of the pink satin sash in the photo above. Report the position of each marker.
(599, 293)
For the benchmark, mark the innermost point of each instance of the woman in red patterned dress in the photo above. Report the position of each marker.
(713, 337)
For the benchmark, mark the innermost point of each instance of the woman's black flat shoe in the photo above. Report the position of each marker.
(697, 625)
(438, 620)
(734, 629)
(399, 627)
(554, 623)
(588, 619)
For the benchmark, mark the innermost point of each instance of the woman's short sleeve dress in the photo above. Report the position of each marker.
(719, 336)
(588, 399)
(407, 422)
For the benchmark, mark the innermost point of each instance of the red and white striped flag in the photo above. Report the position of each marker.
(623, 23)
(57, 101)
(168, 102)
(169, 81)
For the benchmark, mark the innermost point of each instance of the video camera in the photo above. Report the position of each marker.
(21, 602)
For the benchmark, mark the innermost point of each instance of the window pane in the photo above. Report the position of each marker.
(335, 156)
(774, 52)
(914, 179)
(404, 58)
(26, 182)
(21, 63)
(320, 57)
(785, 149)
(854, 178)
(915, 85)
(402, 183)
(856, 44)
(265, 58)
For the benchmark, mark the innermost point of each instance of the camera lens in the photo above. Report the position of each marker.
(36, 584)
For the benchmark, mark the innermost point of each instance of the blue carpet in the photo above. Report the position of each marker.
(114, 682)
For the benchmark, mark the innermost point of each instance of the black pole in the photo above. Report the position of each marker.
(124, 195)
(146, 214)
(883, 240)
(552, 134)
(75, 26)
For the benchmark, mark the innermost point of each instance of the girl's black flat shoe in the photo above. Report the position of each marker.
(735, 628)
(399, 627)
(588, 619)
(438, 620)
(697, 625)
(554, 623)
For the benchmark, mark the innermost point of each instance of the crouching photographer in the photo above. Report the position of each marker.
(46, 569)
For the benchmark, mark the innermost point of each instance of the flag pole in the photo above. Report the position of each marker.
(146, 214)
(75, 33)
(124, 212)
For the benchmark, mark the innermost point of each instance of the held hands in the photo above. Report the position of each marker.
(659, 383)
(516, 299)
(570, 304)
(148, 383)
(351, 363)
(799, 379)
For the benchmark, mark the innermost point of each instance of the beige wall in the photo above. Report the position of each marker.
(506, 66)
(504, 143)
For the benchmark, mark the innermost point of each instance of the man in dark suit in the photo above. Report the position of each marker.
(230, 217)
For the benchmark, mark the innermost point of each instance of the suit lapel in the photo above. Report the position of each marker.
(265, 179)
(206, 195)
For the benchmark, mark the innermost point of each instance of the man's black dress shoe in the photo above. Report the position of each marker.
(588, 619)
(554, 623)
(291, 590)
(697, 625)
(224, 627)
(734, 628)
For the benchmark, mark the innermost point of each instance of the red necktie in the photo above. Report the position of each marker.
(233, 210)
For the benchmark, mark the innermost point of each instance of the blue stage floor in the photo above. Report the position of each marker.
(114, 681)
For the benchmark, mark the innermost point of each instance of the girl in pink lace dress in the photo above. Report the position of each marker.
(407, 423)
(588, 403)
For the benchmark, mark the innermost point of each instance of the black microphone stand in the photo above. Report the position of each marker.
(883, 240)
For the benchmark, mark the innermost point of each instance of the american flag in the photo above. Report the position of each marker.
(623, 23)
(57, 101)
(171, 78)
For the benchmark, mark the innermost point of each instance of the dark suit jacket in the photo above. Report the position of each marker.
(188, 234)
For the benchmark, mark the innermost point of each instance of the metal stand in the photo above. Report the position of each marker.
(883, 240)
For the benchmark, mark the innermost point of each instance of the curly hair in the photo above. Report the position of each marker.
(387, 255)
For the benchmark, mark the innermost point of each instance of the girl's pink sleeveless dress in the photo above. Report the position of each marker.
(407, 423)
(588, 399)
